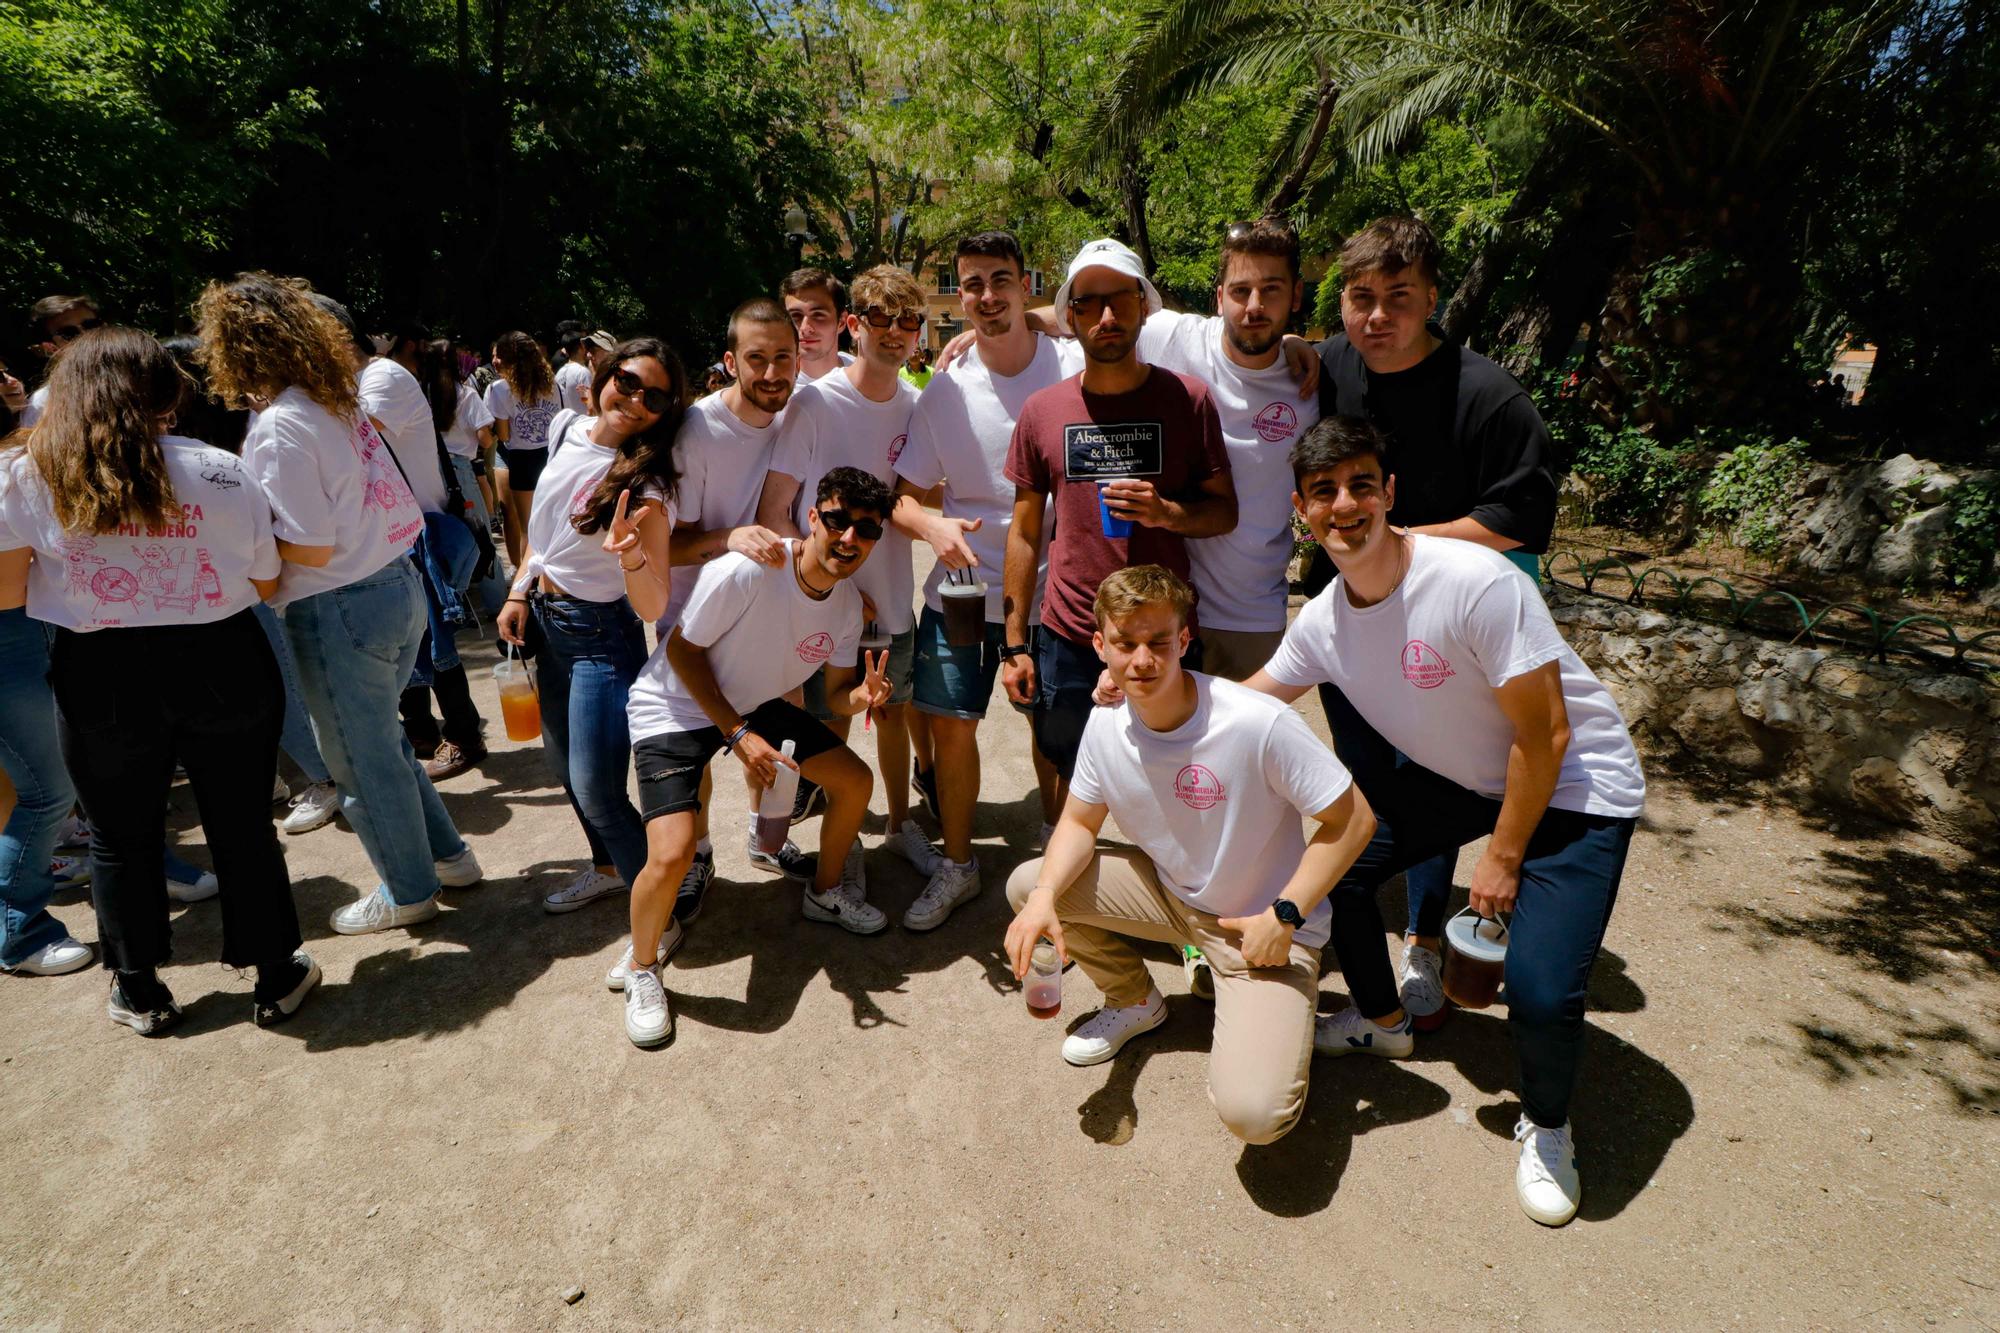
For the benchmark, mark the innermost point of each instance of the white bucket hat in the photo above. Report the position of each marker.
(1107, 253)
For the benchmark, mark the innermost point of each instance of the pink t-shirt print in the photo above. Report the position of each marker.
(1197, 788)
(816, 648)
(1423, 666)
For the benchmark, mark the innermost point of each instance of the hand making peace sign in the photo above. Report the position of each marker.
(623, 533)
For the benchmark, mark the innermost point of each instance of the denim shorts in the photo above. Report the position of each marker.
(955, 681)
(902, 653)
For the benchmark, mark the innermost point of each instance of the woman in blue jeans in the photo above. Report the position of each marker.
(31, 941)
(354, 606)
(595, 570)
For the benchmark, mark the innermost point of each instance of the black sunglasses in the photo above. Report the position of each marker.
(69, 333)
(656, 401)
(838, 521)
(881, 320)
(1093, 305)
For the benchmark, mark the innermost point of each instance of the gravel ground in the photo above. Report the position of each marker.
(1787, 1115)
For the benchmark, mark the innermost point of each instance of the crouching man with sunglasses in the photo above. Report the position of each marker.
(751, 634)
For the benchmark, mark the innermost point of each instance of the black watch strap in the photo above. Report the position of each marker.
(1014, 650)
(1288, 912)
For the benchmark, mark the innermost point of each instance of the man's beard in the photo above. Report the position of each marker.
(1108, 354)
(1254, 342)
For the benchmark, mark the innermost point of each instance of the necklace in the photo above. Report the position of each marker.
(799, 573)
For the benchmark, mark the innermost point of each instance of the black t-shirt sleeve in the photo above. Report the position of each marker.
(1517, 480)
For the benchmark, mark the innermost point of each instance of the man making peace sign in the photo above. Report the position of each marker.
(750, 635)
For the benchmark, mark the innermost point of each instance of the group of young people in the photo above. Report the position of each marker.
(1110, 485)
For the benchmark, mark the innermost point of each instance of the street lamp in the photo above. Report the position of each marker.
(796, 234)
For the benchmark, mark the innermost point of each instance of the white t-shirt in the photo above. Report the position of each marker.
(1215, 802)
(572, 381)
(330, 483)
(722, 460)
(189, 572)
(1241, 574)
(38, 403)
(529, 422)
(828, 424)
(392, 396)
(466, 422)
(1421, 665)
(959, 435)
(801, 379)
(579, 564)
(764, 637)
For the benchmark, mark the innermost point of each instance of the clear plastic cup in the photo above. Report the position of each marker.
(1043, 984)
(520, 706)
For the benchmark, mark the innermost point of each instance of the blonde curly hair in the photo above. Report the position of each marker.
(262, 334)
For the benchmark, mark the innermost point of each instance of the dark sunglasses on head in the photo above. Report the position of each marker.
(838, 521)
(656, 401)
(69, 333)
(881, 320)
(1090, 307)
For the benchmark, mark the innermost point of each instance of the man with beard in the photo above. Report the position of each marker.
(1131, 459)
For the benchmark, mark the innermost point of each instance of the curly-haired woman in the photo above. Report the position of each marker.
(354, 603)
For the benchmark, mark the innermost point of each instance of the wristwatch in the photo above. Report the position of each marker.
(1288, 912)
(1014, 650)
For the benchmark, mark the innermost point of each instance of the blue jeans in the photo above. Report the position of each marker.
(32, 755)
(297, 739)
(1066, 673)
(1569, 882)
(592, 653)
(355, 647)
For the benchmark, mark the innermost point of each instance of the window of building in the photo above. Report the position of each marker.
(947, 275)
(1034, 282)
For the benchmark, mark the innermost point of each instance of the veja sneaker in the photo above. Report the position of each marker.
(846, 904)
(788, 861)
(1348, 1033)
(377, 911)
(197, 890)
(312, 808)
(281, 791)
(52, 960)
(648, 1020)
(671, 940)
(1200, 976)
(1105, 1032)
(586, 887)
(694, 887)
(1422, 991)
(1545, 1179)
(458, 872)
(908, 841)
(282, 989)
(950, 884)
(142, 1002)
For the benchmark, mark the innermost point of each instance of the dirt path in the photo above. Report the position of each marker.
(1788, 1116)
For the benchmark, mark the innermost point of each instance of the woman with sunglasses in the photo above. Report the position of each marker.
(594, 572)
(354, 605)
(149, 551)
(522, 401)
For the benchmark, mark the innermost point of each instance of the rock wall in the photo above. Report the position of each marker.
(1921, 749)
(1888, 522)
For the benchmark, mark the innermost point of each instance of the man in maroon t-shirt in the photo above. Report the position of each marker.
(1133, 457)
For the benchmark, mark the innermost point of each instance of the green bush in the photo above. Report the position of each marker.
(1748, 490)
(1634, 479)
(1975, 532)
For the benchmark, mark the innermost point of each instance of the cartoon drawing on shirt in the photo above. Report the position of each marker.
(161, 577)
(384, 489)
(207, 583)
(77, 554)
(532, 423)
(114, 584)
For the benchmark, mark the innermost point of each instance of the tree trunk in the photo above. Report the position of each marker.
(1132, 193)
(1294, 182)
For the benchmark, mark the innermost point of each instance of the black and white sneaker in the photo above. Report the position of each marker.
(142, 1002)
(788, 860)
(924, 780)
(283, 988)
(810, 800)
(694, 887)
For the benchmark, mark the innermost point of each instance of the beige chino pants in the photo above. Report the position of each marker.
(1236, 654)
(1260, 1056)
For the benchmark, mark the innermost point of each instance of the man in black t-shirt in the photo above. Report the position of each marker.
(1472, 459)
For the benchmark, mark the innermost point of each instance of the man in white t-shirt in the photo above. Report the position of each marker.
(860, 417)
(959, 435)
(751, 635)
(1209, 779)
(1471, 718)
(816, 303)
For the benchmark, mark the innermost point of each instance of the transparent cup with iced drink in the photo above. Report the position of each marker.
(774, 809)
(520, 705)
(1043, 984)
(963, 598)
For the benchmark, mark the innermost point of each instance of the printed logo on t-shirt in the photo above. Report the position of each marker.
(1122, 449)
(1278, 421)
(816, 648)
(1423, 666)
(897, 445)
(1198, 788)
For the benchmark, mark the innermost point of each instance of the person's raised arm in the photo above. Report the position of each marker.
(638, 541)
(1533, 703)
(691, 545)
(1070, 848)
(1209, 512)
(1024, 558)
(774, 507)
(1263, 682)
(850, 690)
(945, 535)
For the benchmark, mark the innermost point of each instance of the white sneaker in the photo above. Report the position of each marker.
(52, 960)
(198, 890)
(671, 939)
(846, 904)
(456, 872)
(1105, 1032)
(312, 808)
(908, 841)
(1545, 1179)
(1348, 1033)
(281, 790)
(648, 1020)
(70, 872)
(377, 911)
(587, 887)
(1422, 991)
(73, 834)
(950, 885)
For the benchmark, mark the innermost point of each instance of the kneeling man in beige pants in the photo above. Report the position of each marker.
(1210, 780)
